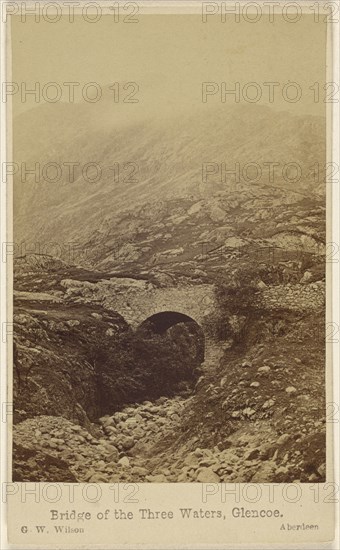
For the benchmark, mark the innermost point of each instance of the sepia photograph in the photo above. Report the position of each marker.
(169, 274)
(169, 248)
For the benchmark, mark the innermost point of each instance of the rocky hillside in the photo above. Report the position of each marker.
(77, 358)
(105, 403)
(166, 159)
(271, 369)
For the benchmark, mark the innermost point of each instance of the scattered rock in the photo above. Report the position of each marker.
(198, 452)
(307, 276)
(268, 404)
(113, 453)
(73, 323)
(313, 477)
(252, 454)
(248, 411)
(283, 439)
(96, 316)
(124, 461)
(261, 285)
(125, 442)
(98, 478)
(139, 470)
(265, 368)
(281, 470)
(322, 470)
(265, 473)
(206, 475)
(191, 460)
(160, 478)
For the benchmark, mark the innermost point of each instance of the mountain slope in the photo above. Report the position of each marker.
(159, 160)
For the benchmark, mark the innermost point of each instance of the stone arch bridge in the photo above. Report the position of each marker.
(168, 306)
(138, 301)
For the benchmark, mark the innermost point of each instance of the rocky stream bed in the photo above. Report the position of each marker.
(131, 446)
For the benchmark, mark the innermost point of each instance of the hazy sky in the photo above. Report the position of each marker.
(170, 56)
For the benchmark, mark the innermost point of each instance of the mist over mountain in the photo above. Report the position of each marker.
(140, 170)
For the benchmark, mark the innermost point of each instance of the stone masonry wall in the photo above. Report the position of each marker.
(135, 300)
(296, 297)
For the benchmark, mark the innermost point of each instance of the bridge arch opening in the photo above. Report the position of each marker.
(162, 321)
(159, 357)
(182, 330)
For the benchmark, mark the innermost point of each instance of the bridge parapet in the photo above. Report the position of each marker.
(136, 305)
(137, 300)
